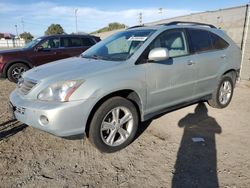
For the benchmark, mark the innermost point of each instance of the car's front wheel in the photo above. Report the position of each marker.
(15, 71)
(113, 125)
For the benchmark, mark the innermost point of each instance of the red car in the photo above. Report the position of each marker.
(42, 50)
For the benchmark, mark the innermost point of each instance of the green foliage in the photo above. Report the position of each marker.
(26, 36)
(54, 29)
(111, 27)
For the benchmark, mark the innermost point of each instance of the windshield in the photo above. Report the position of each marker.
(32, 43)
(119, 47)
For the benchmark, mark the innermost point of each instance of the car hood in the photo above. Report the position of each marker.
(71, 68)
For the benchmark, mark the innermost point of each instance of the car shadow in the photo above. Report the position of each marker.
(10, 128)
(141, 128)
(196, 163)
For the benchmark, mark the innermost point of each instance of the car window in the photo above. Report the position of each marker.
(200, 40)
(65, 42)
(218, 42)
(119, 47)
(75, 42)
(71, 42)
(174, 41)
(51, 43)
(87, 41)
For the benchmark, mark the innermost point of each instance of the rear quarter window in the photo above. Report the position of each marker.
(218, 42)
(87, 41)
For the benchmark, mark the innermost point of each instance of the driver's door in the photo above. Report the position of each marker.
(49, 52)
(172, 81)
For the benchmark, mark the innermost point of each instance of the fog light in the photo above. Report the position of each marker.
(44, 120)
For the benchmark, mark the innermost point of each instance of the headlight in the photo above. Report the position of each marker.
(60, 91)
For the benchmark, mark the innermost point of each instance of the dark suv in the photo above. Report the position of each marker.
(42, 50)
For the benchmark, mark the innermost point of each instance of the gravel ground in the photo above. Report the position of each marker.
(163, 155)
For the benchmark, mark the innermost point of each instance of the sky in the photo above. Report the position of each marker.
(35, 16)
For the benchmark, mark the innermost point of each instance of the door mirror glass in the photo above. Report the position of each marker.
(158, 54)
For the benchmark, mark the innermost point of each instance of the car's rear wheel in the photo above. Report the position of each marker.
(15, 71)
(113, 125)
(223, 94)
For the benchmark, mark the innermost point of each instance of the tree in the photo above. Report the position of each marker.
(54, 29)
(111, 27)
(26, 36)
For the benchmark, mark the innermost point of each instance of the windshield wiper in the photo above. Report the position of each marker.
(96, 57)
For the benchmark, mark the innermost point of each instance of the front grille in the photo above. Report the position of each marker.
(24, 86)
(20, 110)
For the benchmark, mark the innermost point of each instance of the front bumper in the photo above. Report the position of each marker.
(64, 119)
(1, 71)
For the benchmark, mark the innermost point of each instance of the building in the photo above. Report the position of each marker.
(8, 40)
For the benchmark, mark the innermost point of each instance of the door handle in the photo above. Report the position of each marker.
(190, 62)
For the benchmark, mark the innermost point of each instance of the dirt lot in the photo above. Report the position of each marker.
(164, 155)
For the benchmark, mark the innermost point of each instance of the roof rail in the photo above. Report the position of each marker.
(136, 26)
(190, 23)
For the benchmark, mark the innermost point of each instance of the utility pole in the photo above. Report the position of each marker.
(76, 18)
(160, 10)
(140, 18)
(22, 22)
(16, 31)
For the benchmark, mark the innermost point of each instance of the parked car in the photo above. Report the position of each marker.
(42, 50)
(126, 79)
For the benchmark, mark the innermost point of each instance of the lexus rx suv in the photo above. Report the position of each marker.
(42, 50)
(126, 79)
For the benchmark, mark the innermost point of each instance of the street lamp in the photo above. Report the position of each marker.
(76, 18)
(160, 10)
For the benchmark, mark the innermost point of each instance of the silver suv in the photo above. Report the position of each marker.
(126, 79)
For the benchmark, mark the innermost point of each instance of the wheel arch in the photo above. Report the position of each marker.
(233, 73)
(129, 94)
(9, 64)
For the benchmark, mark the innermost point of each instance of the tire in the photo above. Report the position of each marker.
(217, 101)
(15, 71)
(105, 133)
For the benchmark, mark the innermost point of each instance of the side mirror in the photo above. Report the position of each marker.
(158, 54)
(39, 48)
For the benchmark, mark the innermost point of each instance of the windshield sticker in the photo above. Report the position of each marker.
(133, 38)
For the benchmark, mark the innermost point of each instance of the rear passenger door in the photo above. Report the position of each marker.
(209, 54)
